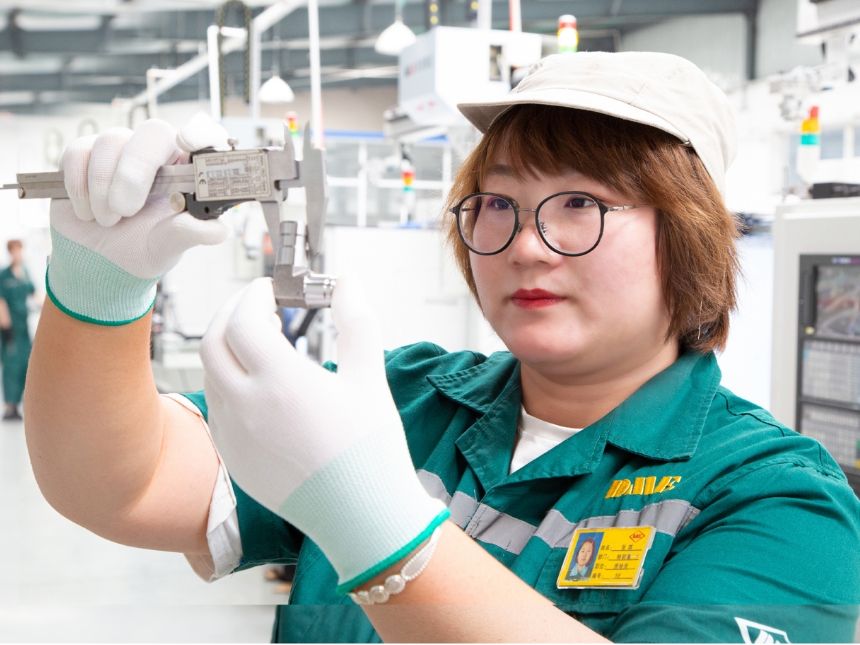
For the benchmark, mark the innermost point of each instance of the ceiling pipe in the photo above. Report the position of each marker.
(153, 74)
(261, 23)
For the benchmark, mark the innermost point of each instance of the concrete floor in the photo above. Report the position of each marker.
(61, 583)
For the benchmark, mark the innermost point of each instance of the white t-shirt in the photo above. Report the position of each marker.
(534, 438)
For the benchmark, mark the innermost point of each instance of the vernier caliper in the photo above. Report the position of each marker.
(215, 181)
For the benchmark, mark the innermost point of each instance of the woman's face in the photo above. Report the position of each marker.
(607, 308)
(584, 555)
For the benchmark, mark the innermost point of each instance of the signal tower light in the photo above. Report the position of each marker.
(568, 34)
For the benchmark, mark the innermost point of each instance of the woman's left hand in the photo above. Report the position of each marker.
(326, 451)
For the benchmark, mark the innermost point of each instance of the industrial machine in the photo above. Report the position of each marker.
(428, 92)
(828, 368)
(815, 384)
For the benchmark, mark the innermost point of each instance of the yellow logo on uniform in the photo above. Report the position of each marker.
(642, 486)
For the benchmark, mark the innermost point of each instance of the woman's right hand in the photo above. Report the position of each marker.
(111, 240)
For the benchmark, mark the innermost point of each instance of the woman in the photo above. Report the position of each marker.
(435, 496)
(15, 343)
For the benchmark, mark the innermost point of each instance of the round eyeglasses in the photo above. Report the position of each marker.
(569, 223)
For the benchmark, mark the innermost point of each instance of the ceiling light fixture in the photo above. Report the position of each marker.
(276, 90)
(397, 36)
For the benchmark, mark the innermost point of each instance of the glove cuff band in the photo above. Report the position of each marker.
(86, 286)
(397, 556)
(377, 512)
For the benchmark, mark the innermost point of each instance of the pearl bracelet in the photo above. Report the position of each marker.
(396, 583)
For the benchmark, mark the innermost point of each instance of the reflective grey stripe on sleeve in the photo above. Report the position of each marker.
(499, 529)
(668, 516)
(462, 506)
(511, 534)
(432, 483)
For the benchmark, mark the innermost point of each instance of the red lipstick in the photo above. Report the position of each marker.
(535, 298)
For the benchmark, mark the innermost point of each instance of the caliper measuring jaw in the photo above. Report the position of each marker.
(295, 244)
(299, 244)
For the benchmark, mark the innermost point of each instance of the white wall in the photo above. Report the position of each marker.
(777, 50)
(755, 180)
(346, 109)
(409, 280)
(746, 363)
(715, 43)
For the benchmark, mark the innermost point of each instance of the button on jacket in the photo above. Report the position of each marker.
(756, 531)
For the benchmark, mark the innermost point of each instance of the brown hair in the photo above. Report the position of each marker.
(695, 232)
(14, 244)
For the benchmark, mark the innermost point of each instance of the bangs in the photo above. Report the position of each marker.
(549, 140)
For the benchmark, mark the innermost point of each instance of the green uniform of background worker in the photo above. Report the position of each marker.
(440, 496)
(15, 290)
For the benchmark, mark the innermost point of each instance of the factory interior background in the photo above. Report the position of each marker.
(385, 113)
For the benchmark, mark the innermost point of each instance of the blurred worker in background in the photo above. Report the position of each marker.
(429, 495)
(15, 343)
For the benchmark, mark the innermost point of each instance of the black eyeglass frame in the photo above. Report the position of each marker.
(517, 227)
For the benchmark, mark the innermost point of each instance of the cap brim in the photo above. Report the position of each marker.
(482, 115)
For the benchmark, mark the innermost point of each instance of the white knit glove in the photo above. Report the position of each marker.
(326, 451)
(111, 241)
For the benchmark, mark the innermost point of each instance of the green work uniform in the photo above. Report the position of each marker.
(15, 345)
(756, 533)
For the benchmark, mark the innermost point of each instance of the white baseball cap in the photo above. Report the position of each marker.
(661, 90)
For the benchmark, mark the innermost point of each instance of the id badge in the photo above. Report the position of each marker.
(609, 558)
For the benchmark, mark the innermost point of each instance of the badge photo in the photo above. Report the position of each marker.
(609, 558)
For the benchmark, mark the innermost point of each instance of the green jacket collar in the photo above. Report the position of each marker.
(662, 420)
(478, 387)
(665, 417)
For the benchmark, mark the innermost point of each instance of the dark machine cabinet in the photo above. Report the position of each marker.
(828, 366)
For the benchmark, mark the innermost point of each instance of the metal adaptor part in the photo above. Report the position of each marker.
(295, 285)
(318, 290)
(305, 290)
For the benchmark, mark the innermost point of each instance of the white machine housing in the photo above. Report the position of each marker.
(816, 18)
(450, 65)
(819, 226)
(836, 25)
